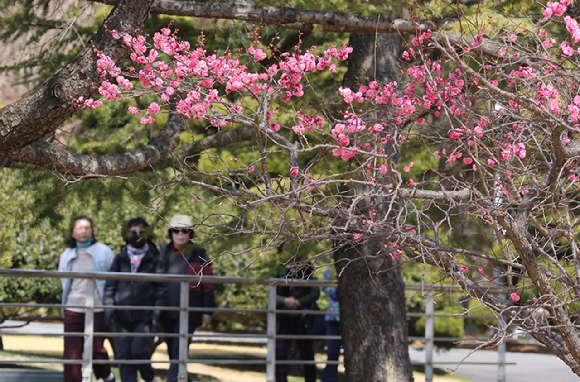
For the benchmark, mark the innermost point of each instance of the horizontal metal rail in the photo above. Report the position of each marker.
(217, 361)
(202, 278)
(171, 361)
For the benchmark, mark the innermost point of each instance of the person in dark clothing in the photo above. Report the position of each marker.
(140, 255)
(295, 298)
(179, 256)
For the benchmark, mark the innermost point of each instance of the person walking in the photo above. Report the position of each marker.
(140, 255)
(180, 256)
(330, 372)
(295, 298)
(84, 254)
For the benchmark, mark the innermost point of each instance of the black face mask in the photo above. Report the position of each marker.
(137, 241)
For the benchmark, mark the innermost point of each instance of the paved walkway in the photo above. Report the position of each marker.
(528, 368)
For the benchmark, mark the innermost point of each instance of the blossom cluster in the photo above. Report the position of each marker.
(201, 83)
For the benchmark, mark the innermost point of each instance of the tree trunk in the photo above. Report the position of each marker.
(371, 289)
(373, 320)
(372, 305)
(361, 62)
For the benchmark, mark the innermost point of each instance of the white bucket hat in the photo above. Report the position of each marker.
(180, 222)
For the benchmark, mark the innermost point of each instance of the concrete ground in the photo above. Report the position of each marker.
(528, 367)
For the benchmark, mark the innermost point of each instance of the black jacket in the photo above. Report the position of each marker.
(306, 295)
(200, 294)
(135, 293)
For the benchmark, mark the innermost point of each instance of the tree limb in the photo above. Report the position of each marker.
(289, 18)
(43, 110)
(55, 158)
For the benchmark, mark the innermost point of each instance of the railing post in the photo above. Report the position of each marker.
(89, 332)
(183, 331)
(271, 332)
(501, 348)
(429, 334)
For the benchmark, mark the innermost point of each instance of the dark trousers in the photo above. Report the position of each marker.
(305, 348)
(134, 348)
(73, 346)
(330, 372)
(172, 326)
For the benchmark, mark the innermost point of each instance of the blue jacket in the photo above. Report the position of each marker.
(102, 258)
(332, 293)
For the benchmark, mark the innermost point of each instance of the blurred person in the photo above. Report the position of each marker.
(140, 255)
(84, 254)
(180, 256)
(295, 298)
(330, 372)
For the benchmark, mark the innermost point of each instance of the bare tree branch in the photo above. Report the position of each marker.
(240, 134)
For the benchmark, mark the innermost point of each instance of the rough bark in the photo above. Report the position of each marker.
(45, 109)
(376, 65)
(372, 315)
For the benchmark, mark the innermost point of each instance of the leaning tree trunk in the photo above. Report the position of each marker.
(371, 289)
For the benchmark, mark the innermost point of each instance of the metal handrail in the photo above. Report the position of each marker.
(184, 309)
(200, 278)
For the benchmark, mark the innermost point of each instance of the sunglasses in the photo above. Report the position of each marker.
(136, 233)
(181, 230)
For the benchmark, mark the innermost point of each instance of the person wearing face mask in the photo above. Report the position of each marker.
(84, 254)
(140, 255)
(181, 256)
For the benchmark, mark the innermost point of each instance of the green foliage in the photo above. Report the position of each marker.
(53, 34)
(25, 244)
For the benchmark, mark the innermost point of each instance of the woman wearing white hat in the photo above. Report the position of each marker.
(180, 256)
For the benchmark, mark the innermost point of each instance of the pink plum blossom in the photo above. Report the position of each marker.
(299, 129)
(555, 9)
(153, 108)
(566, 48)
